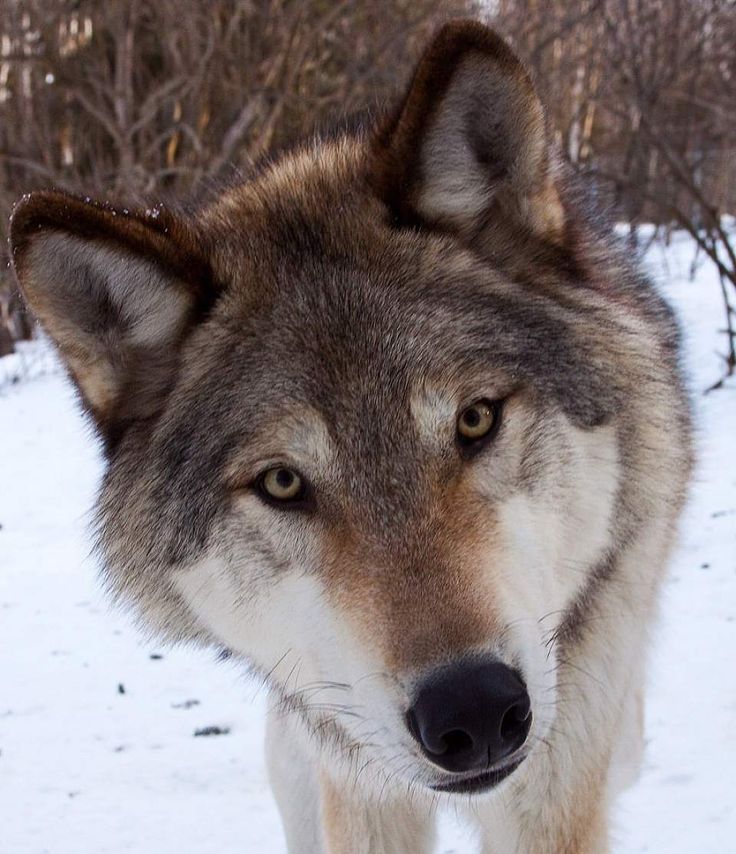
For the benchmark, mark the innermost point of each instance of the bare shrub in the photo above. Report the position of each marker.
(140, 99)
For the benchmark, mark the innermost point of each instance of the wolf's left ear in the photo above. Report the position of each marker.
(117, 291)
(469, 144)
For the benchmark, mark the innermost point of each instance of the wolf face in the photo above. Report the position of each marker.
(377, 420)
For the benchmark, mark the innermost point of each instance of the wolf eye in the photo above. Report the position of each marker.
(478, 421)
(281, 484)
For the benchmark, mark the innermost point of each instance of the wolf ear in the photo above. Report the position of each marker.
(468, 145)
(117, 291)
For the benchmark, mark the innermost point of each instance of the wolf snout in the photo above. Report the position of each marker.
(468, 716)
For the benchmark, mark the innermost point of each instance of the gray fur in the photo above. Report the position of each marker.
(330, 303)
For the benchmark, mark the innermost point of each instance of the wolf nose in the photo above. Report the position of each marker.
(469, 716)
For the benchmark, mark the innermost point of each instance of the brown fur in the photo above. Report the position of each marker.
(160, 236)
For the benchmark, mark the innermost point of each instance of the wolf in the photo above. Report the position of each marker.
(397, 422)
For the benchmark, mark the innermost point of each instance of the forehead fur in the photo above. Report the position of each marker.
(305, 203)
(313, 264)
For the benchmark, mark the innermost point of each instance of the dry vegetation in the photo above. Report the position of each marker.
(643, 93)
(141, 99)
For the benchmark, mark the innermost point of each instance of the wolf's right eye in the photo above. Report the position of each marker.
(281, 485)
(477, 424)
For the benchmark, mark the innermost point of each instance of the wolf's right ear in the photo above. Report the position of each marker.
(117, 291)
(468, 145)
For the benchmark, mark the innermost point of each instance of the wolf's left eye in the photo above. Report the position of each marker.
(478, 422)
(281, 485)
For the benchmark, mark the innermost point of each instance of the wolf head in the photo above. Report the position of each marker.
(366, 415)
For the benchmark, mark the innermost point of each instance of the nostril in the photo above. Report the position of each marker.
(515, 723)
(457, 741)
(450, 743)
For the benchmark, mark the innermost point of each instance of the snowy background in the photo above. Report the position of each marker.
(99, 744)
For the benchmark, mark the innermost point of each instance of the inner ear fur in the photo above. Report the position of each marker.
(116, 290)
(469, 142)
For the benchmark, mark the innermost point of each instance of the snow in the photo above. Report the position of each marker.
(98, 752)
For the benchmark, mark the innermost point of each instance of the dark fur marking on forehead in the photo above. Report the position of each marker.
(521, 336)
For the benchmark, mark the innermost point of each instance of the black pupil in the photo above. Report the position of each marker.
(472, 417)
(284, 478)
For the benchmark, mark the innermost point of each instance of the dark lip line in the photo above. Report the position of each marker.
(480, 783)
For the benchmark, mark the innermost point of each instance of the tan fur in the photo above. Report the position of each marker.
(353, 827)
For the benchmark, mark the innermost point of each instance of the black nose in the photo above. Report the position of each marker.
(469, 716)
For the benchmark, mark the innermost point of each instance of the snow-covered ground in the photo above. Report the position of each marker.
(99, 752)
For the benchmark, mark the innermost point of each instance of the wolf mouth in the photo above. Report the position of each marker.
(480, 783)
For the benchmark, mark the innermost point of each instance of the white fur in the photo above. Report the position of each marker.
(285, 623)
